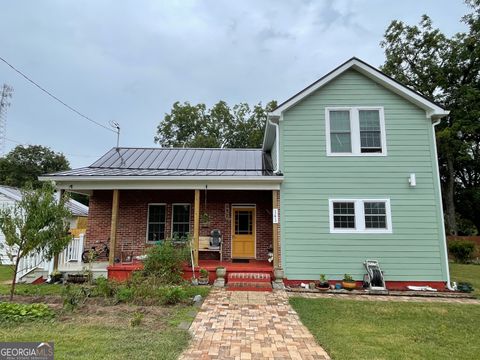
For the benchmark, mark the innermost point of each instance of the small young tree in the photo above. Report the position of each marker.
(35, 224)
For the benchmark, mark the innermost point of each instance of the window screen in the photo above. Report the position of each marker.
(344, 215)
(156, 222)
(181, 221)
(375, 215)
(370, 132)
(340, 133)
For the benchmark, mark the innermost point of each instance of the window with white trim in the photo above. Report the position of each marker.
(355, 131)
(156, 222)
(360, 216)
(180, 220)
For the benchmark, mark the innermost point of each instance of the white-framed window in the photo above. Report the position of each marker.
(180, 220)
(156, 219)
(360, 216)
(355, 131)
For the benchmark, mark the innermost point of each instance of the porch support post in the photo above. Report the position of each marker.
(196, 226)
(113, 226)
(61, 193)
(276, 228)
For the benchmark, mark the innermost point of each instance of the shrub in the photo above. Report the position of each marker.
(124, 294)
(105, 287)
(165, 261)
(75, 296)
(173, 295)
(24, 312)
(461, 250)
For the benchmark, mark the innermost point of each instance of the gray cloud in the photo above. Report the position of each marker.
(130, 60)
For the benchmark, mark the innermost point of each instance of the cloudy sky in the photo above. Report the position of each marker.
(129, 61)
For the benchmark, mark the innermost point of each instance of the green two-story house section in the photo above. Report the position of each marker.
(360, 179)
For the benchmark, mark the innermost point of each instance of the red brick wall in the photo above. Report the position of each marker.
(133, 209)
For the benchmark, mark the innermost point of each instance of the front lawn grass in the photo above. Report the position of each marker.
(349, 329)
(6, 273)
(105, 332)
(466, 273)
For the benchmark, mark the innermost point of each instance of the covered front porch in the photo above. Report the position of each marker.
(143, 196)
(132, 220)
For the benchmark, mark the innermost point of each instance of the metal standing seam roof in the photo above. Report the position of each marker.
(177, 162)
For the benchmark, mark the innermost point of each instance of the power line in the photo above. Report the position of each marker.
(55, 97)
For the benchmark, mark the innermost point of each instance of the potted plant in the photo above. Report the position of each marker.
(348, 283)
(203, 278)
(56, 276)
(323, 284)
(205, 220)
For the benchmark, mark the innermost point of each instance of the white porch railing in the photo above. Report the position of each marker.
(71, 254)
(31, 262)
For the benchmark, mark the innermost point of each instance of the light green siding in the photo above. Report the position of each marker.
(414, 250)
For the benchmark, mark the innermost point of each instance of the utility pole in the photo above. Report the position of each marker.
(5, 94)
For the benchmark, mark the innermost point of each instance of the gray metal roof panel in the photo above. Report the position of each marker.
(177, 161)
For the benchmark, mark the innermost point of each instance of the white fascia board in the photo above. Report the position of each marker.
(140, 178)
(432, 110)
(171, 184)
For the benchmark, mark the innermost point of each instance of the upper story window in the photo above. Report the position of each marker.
(156, 222)
(360, 216)
(355, 131)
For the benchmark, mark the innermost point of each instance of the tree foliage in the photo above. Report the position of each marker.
(24, 164)
(447, 70)
(35, 224)
(218, 127)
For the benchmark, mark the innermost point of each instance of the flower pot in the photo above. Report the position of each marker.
(349, 285)
(221, 272)
(203, 281)
(323, 286)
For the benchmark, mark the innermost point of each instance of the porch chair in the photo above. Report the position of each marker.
(215, 240)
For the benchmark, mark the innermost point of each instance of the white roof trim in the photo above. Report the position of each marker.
(10, 194)
(432, 109)
(273, 179)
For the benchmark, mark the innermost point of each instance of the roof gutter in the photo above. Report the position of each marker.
(276, 166)
(161, 178)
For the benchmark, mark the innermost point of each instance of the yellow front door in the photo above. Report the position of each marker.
(243, 233)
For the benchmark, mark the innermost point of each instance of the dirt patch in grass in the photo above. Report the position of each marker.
(119, 316)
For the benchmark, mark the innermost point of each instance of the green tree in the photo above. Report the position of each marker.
(447, 71)
(220, 126)
(35, 224)
(24, 164)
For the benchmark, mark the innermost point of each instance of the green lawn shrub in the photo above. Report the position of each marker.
(12, 312)
(461, 250)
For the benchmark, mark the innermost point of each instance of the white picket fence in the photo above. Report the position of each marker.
(71, 254)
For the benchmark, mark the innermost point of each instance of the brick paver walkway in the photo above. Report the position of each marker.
(250, 325)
